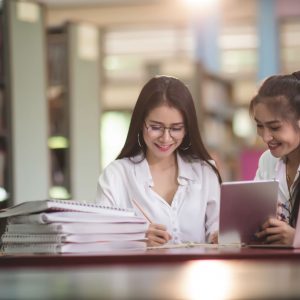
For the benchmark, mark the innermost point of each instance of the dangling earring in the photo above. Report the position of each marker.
(139, 142)
(186, 148)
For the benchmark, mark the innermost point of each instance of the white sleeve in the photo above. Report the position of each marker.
(110, 187)
(263, 167)
(213, 205)
(259, 171)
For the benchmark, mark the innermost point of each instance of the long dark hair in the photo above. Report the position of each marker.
(281, 94)
(173, 92)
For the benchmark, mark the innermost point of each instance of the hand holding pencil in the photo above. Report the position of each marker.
(156, 234)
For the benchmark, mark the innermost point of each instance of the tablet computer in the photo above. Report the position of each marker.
(295, 243)
(244, 207)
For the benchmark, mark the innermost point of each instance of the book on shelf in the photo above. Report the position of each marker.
(30, 207)
(77, 228)
(60, 248)
(19, 238)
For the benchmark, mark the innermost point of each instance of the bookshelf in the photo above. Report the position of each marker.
(4, 136)
(49, 106)
(23, 104)
(213, 96)
(73, 91)
(215, 108)
(59, 129)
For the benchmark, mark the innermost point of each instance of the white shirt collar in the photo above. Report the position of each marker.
(143, 174)
(185, 170)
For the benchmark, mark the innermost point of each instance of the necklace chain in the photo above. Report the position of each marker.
(289, 185)
(288, 180)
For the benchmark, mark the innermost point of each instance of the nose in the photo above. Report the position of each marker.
(166, 134)
(266, 135)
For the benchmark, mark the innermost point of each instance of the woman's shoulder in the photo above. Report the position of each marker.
(202, 163)
(267, 166)
(116, 166)
(202, 168)
(125, 163)
(267, 160)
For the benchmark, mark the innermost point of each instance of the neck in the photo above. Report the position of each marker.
(292, 164)
(162, 164)
(293, 158)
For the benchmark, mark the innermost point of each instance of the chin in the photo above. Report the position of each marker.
(277, 154)
(161, 154)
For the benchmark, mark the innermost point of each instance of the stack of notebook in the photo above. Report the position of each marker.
(65, 226)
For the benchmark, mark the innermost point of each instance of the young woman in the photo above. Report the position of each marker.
(276, 111)
(165, 168)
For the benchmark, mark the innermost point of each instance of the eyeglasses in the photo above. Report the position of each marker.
(155, 131)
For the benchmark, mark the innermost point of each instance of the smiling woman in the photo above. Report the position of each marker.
(276, 111)
(164, 170)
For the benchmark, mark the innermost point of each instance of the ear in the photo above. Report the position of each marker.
(298, 122)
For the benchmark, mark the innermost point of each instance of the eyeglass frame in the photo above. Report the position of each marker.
(162, 132)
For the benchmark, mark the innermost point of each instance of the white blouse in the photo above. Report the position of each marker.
(194, 212)
(270, 167)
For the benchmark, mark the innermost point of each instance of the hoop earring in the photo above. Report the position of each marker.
(139, 142)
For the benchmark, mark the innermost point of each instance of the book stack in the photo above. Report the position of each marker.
(65, 226)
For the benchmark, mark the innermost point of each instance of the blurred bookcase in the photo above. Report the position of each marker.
(215, 107)
(5, 182)
(73, 56)
(213, 96)
(49, 106)
(59, 129)
(23, 128)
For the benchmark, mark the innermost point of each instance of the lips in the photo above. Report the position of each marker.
(273, 146)
(163, 148)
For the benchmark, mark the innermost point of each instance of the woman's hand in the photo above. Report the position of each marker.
(275, 231)
(157, 235)
(213, 238)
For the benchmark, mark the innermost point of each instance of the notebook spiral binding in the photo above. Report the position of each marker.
(85, 203)
(33, 238)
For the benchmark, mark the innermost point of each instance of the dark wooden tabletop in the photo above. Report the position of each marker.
(179, 273)
(161, 256)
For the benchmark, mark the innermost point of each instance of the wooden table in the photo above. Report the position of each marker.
(160, 256)
(189, 273)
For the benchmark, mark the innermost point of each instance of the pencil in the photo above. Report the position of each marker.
(141, 210)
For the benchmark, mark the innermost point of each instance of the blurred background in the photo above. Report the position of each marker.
(71, 72)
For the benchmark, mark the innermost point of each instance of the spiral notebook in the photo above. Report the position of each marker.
(82, 228)
(71, 217)
(69, 238)
(30, 207)
(57, 248)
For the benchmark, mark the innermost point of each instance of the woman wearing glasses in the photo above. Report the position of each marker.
(164, 169)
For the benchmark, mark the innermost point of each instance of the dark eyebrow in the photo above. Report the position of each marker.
(273, 122)
(160, 123)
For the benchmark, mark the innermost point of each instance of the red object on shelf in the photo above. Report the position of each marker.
(249, 163)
